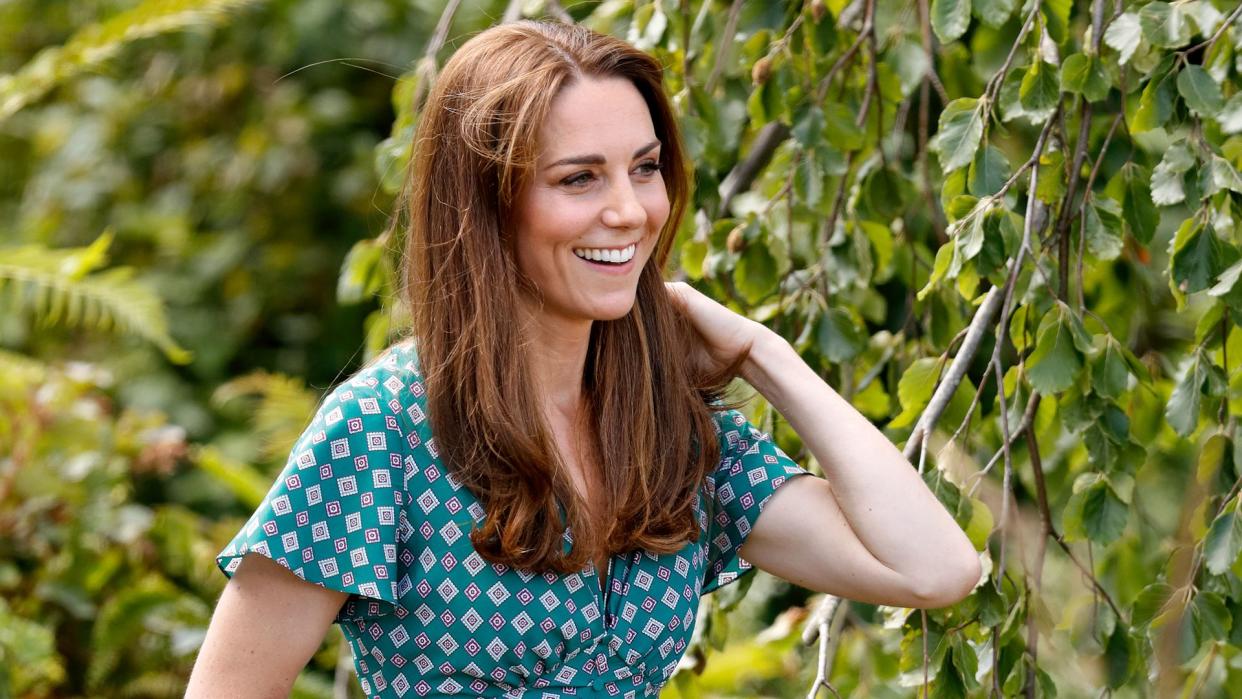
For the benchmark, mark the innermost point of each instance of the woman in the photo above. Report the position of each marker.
(530, 497)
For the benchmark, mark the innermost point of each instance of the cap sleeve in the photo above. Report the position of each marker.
(751, 468)
(332, 515)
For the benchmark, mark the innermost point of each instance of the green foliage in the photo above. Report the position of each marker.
(243, 175)
(96, 43)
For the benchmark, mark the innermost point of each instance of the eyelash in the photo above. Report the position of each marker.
(575, 180)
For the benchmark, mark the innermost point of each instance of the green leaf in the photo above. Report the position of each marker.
(1152, 603)
(1056, 362)
(1199, 256)
(1200, 91)
(881, 238)
(1094, 512)
(810, 127)
(840, 339)
(961, 126)
(361, 272)
(1074, 71)
(994, 13)
(1223, 543)
(1209, 618)
(1082, 74)
(1222, 175)
(945, 256)
(1121, 656)
(756, 273)
(950, 18)
(1123, 35)
(841, 129)
(1056, 18)
(1109, 372)
(1155, 105)
(1040, 87)
(1230, 116)
(1051, 185)
(917, 383)
(1138, 212)
(1166, 179)
(914, 389)
(980, 524)
(988, 171)
(1183, 408)
(1164, 24)
(1104, 236)
(968, 234)
(809, 180)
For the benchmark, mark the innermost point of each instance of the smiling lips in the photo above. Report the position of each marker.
(608, 255)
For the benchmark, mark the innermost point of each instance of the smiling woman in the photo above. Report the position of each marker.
(533, 490)
(588, 220)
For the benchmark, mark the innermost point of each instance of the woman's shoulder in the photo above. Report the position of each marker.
(387, 390)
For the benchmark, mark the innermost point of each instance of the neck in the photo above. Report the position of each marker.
(558, 361)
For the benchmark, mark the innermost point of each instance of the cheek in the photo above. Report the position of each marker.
(657, 206)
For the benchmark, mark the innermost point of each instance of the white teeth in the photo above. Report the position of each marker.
(611, 255)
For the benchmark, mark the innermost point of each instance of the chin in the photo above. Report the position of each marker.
(613, 309)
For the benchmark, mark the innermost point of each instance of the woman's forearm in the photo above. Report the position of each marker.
(888, 506)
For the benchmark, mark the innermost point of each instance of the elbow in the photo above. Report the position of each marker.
(950, 585)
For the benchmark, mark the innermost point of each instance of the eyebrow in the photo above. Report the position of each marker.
(597, 159)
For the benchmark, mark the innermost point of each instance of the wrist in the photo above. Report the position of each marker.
(766, 351)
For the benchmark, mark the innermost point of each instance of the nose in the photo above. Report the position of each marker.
(623, 209)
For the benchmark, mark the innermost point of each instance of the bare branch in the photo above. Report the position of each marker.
(825, 623)
(725, 44)
(957, 370)
(743, 175)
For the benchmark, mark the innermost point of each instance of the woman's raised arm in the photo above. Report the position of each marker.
(266, 626)
(871, 530)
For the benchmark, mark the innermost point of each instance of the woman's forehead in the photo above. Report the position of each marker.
(599, 116)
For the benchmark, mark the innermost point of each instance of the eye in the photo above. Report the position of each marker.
(578, 179)
(650, 167)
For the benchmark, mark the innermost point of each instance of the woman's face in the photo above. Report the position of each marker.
(590, 217)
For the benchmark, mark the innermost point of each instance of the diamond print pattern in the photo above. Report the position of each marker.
(365, 506)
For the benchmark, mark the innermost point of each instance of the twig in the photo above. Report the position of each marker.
(427, 65)
(1086, 196)
(1071, 191)
(1007, 479)
(1207, 44)
(825, 625)
(1028, 418)
(724, 45)
(821, 91)
(558, 11)
(926, 658)
(1041, 547)
(513, 12)
(993, 87)
(744, 173)
(948, 386)
(925, 31)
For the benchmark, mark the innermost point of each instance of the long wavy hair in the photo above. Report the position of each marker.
(649, 422)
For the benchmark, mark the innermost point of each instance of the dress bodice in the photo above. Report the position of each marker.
(366, 506)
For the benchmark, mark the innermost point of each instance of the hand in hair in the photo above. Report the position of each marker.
(724, 335)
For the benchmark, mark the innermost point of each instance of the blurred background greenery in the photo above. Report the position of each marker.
(195, 245)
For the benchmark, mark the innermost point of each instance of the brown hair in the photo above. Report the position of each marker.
(649, 421)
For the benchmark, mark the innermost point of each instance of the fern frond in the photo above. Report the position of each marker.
(57, 287)
(97, 43)
(20, 369)
(247, 484)
(284, 409)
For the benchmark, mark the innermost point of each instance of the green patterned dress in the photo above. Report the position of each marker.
(366, 506)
